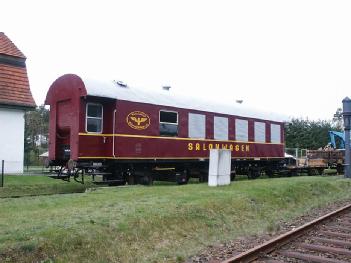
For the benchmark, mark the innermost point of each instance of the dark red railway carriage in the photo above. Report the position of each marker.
(132, 135)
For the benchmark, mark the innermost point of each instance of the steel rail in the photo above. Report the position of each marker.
(281, 240)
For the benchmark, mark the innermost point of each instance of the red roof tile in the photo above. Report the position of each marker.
(14, 86)
(9, 48)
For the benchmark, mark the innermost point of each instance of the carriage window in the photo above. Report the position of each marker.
(260, 131)
(275, 133)
(94, 118)
(168, 123)
(197, 126)
(241, 130)
(220, 128)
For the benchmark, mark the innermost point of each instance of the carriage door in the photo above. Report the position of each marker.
(114, 131)
(63, 131)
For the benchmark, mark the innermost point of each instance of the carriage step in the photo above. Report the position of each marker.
(62, 177)
(99, 173)
(109, 182)
(95, 167)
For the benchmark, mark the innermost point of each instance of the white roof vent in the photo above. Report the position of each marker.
(120, 83)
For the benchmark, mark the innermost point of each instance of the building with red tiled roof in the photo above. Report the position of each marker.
(15, 99)
(14, 84)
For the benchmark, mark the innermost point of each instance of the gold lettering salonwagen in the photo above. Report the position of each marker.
(209, 146)
(190, 146)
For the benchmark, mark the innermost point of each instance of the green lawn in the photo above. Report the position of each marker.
(18, 186)
(163, 223)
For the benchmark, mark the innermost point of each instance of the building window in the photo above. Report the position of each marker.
(168, 123)
(241, 130)
(197, 126)
(220, 127)
(260, 131)
(275, 133)
(94, 118)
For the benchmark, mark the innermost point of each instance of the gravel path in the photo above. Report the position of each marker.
(217, 253)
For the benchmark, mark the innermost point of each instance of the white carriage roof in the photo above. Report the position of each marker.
(110, 89)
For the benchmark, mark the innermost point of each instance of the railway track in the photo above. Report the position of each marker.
(324, 240)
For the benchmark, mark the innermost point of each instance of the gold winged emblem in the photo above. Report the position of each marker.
(138, 120)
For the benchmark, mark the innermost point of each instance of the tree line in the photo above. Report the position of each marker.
(36, 134)
(309, 134)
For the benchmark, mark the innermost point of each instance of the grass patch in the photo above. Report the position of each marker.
(165, 223)
(19, 186)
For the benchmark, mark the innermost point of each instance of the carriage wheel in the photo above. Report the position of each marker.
(269, 173)
(254, 172)
(131, 179)
(339, 169)
(182, 177)
(320, 171)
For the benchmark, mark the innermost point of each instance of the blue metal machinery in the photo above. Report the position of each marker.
(346, 115)
(337, 134)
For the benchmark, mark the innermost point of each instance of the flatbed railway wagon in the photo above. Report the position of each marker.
(127, 135)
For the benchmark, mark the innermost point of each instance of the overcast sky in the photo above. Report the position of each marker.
(289, 57)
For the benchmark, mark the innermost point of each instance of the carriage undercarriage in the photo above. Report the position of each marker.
(112, 172)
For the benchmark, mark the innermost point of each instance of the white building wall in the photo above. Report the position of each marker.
(12, 139)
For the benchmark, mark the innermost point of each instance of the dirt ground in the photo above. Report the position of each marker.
(217, 253)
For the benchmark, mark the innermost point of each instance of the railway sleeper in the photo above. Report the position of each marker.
(327, 249)
(336, 242)
(310, 257)
(336, 234)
